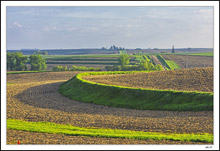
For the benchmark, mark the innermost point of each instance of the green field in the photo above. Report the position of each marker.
(87, 60)
(190, 54)
(201, 54)
(172, 65)
(47, 127)
(168, 64)
(194, 54)
(78, 56)
(20, 72)
(134, 98)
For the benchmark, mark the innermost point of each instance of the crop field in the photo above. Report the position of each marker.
(157, 61)
(34, 97)
(97, 61)
(169, 61)
(198, 54)
(168, 64)
(194, 79)
(190, 61)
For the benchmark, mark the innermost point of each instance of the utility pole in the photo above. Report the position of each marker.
(186, 60)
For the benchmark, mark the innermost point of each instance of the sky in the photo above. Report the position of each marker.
(95, 27)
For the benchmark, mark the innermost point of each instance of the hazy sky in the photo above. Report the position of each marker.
(96, 27)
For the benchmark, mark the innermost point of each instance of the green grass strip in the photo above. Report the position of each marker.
(201, 54)
(100, 63)
(134, 98)
(47, 127)
(11, 83)
(168, 64)
(20, 72)
(172, 65)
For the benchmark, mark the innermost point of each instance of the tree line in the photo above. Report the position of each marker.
(144, 63)
(17, 62)
(75, 68)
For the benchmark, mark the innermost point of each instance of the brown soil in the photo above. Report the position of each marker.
(187, 61)
(44, 138)
(34, 97)
(193, 79)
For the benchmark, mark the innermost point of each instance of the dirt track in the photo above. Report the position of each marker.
(34, 97)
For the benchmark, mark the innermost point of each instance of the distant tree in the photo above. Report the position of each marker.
(55, 69)
(163, 52)
(189, 49)
(73, 68)
(44, 53)
(83, 68)
(37, 62)
(115, 48)
(65, 68)
(109, 68)
(59, 68)
(173, 51)
(91, 69)
(16, 61)
(146, 65)
(11, 61)
(138, 49)
(116, 68)
(124, 59)
(158, 67)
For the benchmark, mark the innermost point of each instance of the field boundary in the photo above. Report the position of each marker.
(135, 98)
(48, 127)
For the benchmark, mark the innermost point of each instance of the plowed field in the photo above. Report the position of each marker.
(34, 97)
(193, 79)
(187, 61)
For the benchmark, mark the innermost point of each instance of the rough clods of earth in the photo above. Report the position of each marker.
(193, 79)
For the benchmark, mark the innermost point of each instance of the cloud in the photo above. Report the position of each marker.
(128, 26)
(93, 28)
(71, 29)
(51, 28)
(16, 24)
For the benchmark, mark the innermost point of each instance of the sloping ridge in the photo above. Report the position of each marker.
(135, 98)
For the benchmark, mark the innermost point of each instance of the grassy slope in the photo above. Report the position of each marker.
(134, 98)
(47, 127)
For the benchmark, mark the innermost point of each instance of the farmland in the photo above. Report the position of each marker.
(34, 97)
(100, 61)
(168, 64)
(97, 61)
(168, 61)
(146, 99)
(196, 79)
(110, 74)
(191, 61)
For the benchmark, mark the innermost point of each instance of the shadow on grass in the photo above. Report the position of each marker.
(47, 96)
